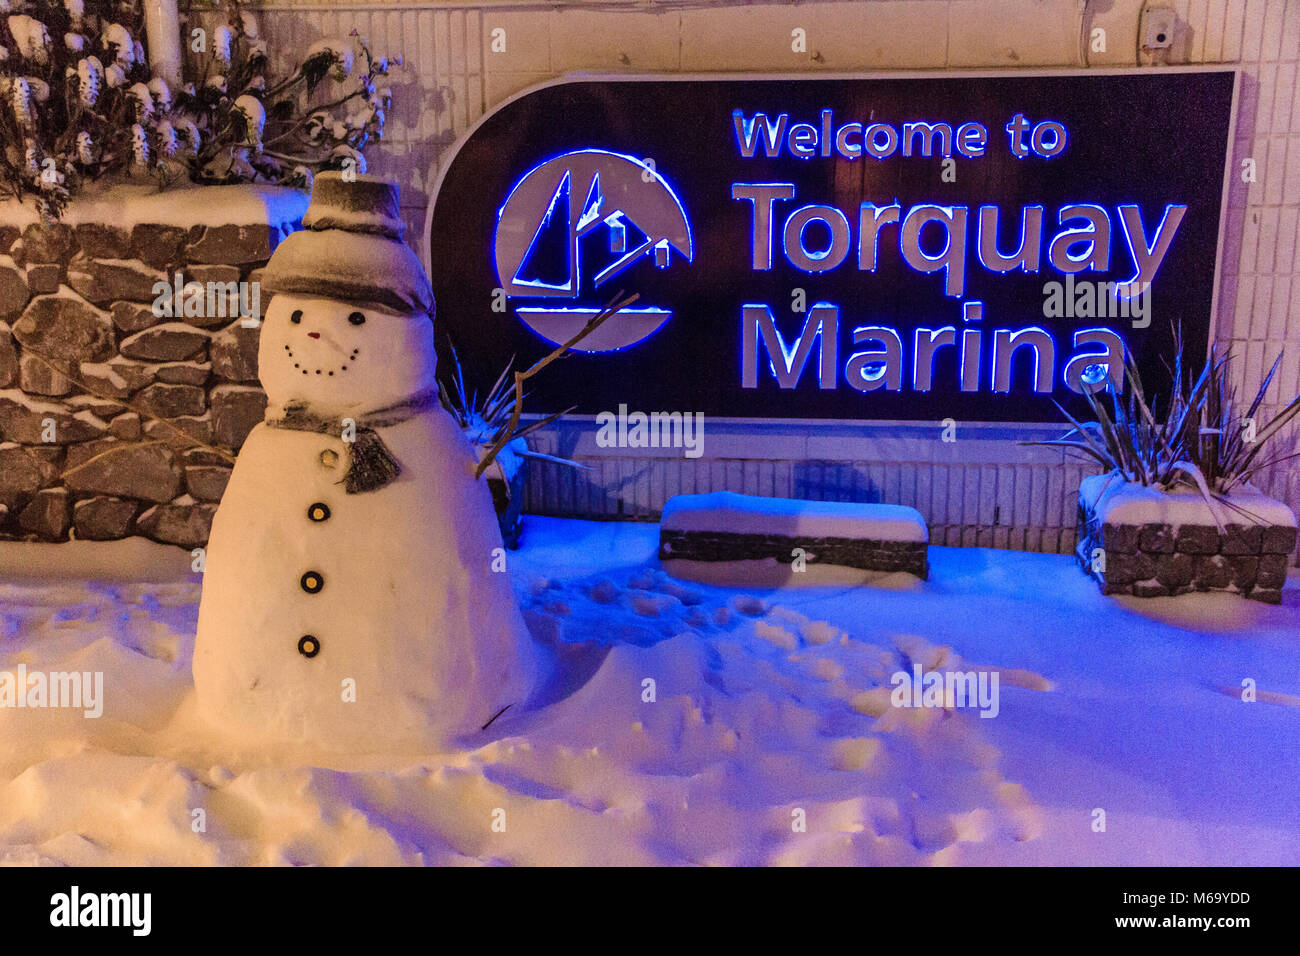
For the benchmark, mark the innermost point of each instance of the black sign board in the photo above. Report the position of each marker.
(899, 248)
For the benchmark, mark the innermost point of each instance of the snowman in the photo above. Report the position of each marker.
(349, 597)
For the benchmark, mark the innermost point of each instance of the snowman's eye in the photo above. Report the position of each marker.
(296, 317)
(356, 318)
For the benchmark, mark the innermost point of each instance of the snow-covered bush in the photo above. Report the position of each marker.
(490, 424)
(482, 421)
(1229, 446)
(1197, 437)
(78, 103)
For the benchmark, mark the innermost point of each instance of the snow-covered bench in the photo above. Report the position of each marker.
(725, 526)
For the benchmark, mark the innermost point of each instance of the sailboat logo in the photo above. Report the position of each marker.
(573, 224)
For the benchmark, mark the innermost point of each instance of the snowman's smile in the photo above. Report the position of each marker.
(301, 364)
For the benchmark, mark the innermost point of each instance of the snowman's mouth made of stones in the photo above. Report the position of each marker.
(306, 370)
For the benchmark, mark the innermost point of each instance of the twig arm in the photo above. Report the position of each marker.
(508, 434)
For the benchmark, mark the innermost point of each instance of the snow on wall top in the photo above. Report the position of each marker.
(128, 205)
(729, 512)
(1119, 502)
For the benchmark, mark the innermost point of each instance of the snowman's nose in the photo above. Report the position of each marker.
(313, 335)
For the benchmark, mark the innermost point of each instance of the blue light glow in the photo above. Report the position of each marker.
(1147, 259)
(1095, 238)
(923, 354)
(1027, 254)
(759, 324)
(1077, 370)
(876, 368)
(650, 223)
(1005, 345)
(763, 197)
(799, 255)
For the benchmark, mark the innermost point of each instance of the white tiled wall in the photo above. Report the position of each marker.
(452, 76)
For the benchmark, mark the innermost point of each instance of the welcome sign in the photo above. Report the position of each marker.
(916, 247)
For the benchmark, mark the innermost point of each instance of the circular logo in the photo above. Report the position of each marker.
(573, 224)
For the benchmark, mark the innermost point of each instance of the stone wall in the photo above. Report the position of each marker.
(1155, 560)
(869, 555)
(105, 405)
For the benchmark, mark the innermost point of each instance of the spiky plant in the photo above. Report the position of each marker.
(480, 420)
(503, 410)
(1229, 445)
(1200, 441)
(487, 422)
(1128, 439)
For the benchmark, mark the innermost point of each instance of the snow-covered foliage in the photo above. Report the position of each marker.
(489, 422)
(1196, 437)
(90, 107)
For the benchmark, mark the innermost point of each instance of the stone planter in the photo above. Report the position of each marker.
(84, 293)
(1149, 543)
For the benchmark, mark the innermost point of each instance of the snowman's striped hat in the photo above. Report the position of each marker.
(350, 247)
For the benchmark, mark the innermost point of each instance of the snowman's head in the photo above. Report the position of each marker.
(343, 356)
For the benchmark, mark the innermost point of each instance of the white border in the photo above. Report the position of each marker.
(1228, 166)
(445, 161)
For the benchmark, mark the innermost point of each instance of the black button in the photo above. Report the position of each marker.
(308, 646)
(318, 511)
(312, 582)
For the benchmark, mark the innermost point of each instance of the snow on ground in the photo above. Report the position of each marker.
(768, 702)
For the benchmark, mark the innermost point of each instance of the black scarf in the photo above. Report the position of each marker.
(372, 465)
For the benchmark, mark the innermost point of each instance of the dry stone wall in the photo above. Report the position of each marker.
(105, 404)
(864, 553)
(1157, 559)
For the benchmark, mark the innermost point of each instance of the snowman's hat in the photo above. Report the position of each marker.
(350, 247)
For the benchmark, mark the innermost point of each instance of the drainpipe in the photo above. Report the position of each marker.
(162, 27)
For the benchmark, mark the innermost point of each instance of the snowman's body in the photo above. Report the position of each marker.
(366, 621)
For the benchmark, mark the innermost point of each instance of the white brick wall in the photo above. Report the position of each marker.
(452, 77)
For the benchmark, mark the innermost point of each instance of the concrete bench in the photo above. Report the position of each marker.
(725, 526)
